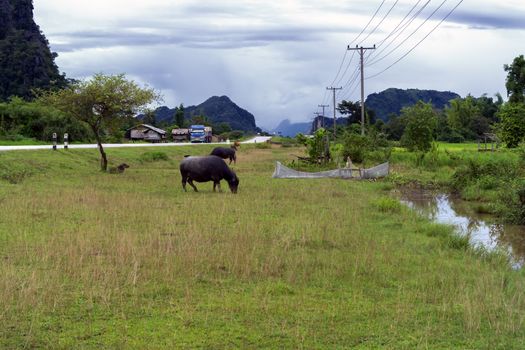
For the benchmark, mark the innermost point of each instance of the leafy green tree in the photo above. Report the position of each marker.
(103, 103)
(516, 80)
(352, 110)
(461, 115)
(33, 120)
(179, 116)
(421, 125)
(395, 127)
(511, 129)
(318, 146)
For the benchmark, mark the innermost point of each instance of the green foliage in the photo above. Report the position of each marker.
(132, 262)
(355, 146)
(420, 127)
(179, 116)
(516, 80)
(301, 139)
(391, 101)
(511, 129)
(22, 119)
(318, 146)
(104, 102)
(26, 62)
(351, 110)
(154, 156)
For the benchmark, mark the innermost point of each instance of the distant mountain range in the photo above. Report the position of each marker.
(217, 110)
(286, 128)
(392, 101)
(385, 103)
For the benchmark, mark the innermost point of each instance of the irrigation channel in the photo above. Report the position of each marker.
(482, 230)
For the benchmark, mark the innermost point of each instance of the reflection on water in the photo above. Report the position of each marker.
(482, 230)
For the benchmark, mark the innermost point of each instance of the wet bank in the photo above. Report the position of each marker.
(482, 230)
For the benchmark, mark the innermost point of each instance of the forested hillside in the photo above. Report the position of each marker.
(216, 110)
(26, 62)
(392, 100)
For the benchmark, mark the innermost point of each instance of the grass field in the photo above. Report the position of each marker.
(93, 260)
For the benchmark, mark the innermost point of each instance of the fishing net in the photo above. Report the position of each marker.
(376, 172)
(283, 172)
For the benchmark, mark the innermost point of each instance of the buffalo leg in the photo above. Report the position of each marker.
(184, 183)
(190, 181)
(217, 184)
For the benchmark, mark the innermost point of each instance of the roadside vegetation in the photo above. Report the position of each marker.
(95, 260)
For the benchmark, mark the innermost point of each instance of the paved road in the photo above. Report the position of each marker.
(257, 139)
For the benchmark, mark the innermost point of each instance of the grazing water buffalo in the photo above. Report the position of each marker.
(225, 153)
(207, 168)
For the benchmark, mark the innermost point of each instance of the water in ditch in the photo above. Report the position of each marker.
(482, 230)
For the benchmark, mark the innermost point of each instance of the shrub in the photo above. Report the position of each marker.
(355, 146)
(512, 125)
(153, 156)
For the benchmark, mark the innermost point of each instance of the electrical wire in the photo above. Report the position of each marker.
(409, 36)
(415, 46)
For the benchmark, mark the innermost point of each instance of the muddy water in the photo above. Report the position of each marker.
(482, 230)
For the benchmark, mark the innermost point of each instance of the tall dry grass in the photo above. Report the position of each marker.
(295, 248)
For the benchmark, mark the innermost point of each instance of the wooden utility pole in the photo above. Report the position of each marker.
(362, 54)
(323, 107)
(334, 89)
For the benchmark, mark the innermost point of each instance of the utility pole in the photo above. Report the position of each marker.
(362, 54)
(323, 107)
(334, 89)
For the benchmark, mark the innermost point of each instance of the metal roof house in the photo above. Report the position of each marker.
(145, 132)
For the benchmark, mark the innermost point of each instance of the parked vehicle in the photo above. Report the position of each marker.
(200, 133)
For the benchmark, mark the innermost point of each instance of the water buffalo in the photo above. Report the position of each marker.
(225, 153)
(207, 168)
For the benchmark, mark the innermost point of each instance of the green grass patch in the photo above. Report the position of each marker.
(96, 261)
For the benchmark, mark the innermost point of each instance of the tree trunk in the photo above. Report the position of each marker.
(103, 157)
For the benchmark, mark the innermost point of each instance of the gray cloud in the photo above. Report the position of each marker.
(273, 62)
(219, 38)
(490, 20)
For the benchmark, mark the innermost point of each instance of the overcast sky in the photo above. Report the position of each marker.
(276, 58)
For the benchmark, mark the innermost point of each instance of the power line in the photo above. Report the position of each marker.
(401, 22)
(412, 49)
(346, 51)
(346, 69)
(371, 19)
(340, 67)
(381, 22)
(409, 36)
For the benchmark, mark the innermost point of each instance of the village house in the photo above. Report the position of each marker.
(180, 135)
(145, 132)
